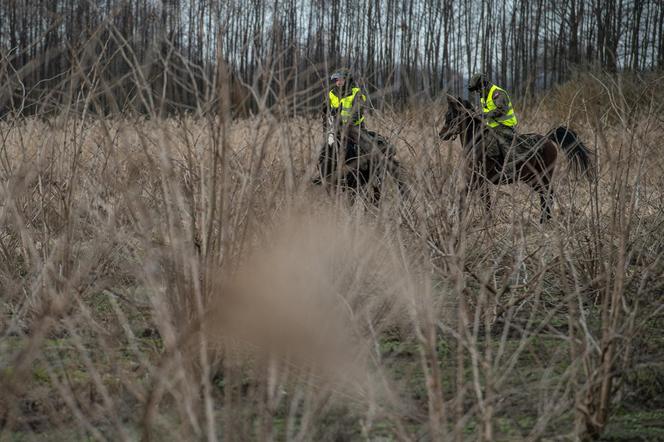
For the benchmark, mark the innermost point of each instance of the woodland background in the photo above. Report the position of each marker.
(169, 272)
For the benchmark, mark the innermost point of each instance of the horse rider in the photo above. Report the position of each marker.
(345, 99)
(345, 103)
(498, 114)
(344, 119)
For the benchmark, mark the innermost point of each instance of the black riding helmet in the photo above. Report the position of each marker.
(477, 82)
(342, 73)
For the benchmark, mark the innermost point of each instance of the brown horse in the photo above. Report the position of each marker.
(537, 167)
(358, 164)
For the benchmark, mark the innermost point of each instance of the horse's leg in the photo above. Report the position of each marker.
(481, 182)
(544, 188)
(376, 195)
(549, 196)
(366, 185)
(546, 203)
(545, 183)
(476, 182)
(462, 200)
(485, 193)
(374, 180)
(370, 182)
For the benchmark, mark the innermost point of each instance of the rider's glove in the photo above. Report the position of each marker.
(492, 114)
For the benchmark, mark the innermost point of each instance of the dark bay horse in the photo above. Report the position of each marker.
(536, 169)
(358, 163)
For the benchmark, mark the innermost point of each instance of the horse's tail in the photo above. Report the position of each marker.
(577, 152)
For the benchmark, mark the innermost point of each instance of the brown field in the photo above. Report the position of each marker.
(181, 279)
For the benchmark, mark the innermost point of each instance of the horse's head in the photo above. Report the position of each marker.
(458, 112)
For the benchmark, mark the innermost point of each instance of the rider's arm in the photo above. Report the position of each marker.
(359, 105)
(327, 111)
(330, 119)
(501, 101)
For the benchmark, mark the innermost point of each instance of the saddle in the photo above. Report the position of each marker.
(529, 141)
(518, 146)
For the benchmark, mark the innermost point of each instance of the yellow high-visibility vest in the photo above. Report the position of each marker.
(346, 104)
(509, 119)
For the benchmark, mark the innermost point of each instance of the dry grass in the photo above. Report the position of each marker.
(181, 279)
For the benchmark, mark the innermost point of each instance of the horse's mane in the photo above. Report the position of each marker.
(466, 104)
(451, 100)
(469, 108)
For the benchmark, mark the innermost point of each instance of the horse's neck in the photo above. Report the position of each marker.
(472, 130)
